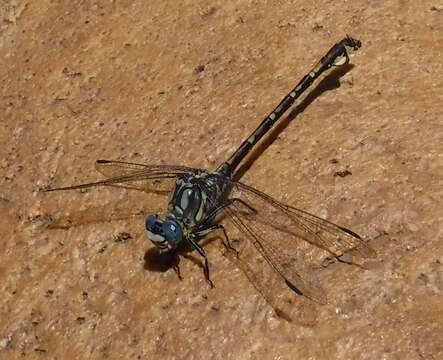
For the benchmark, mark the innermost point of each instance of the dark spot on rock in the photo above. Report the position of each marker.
(4, 198)
(36, 317)
(80, 319)
(317, 27)
(209, 12)
(342, 173)
(214, 310)
(423, 278)
(198, 69)
(328, 261)
(123, 237)
(70, 73)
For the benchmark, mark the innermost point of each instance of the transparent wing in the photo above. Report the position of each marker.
(286, 263)
(115, 168)
(97, 214)
(301, 225)
(274, 291)
(157, 179)
(292, 241)
(133, 175)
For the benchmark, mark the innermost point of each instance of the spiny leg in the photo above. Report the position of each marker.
(202, 253)
(176, 264)
(226, 242)
(206, 229)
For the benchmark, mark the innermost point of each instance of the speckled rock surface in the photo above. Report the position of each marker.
(183, 83)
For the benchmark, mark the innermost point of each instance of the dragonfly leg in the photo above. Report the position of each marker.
(205, 229)
(202, 253)
(176, 264)
(226, 242)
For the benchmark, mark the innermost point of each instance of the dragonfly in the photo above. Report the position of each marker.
(200, 200)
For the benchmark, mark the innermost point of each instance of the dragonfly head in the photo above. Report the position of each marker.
(165, 234)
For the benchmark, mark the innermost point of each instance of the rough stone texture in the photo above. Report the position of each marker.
(185, 82)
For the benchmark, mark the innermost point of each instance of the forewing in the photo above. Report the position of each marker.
(97, 214)
(115, 168)
(133, 176)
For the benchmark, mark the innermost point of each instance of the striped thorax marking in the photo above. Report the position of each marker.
(194, 197)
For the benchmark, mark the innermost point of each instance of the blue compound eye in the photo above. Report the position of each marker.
(151, 221)
(172, 231)
(154, 227)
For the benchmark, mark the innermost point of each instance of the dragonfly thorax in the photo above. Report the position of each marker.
(191, 204)
(194, 198)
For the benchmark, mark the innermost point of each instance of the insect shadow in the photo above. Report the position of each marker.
(156, 260)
